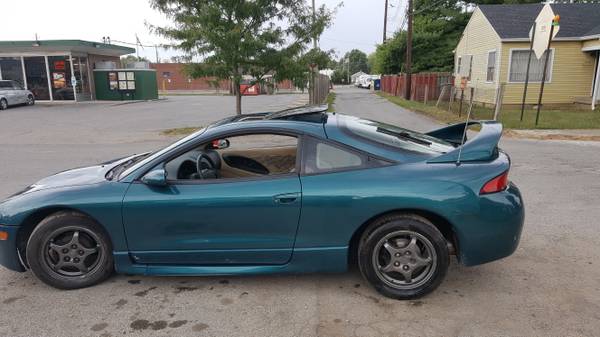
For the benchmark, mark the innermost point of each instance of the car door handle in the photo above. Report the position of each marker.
(287, 198)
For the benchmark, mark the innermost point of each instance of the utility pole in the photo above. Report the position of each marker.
(408, 66)
(314, 19)
(385, 15)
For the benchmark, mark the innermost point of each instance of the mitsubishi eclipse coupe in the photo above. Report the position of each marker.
(293, 191)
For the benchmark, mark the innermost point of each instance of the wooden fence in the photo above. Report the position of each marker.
(424, 86)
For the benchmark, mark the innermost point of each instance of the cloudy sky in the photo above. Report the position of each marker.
(358, 24)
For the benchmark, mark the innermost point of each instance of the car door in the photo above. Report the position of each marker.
(247, 220)
(7, 91)
(20, 93)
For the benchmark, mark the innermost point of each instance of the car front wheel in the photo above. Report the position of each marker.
(69, 250)
(403, 256)
(3, 104)
(30, 100)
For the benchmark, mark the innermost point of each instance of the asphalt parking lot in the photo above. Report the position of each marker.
(549, 287)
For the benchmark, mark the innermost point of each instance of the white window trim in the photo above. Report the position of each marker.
(487, 66)
(551, 66)
(458, 65)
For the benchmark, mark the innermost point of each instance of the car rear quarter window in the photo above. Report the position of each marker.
(324, 157)
(329, 157)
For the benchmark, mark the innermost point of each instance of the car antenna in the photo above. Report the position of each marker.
(464, 136)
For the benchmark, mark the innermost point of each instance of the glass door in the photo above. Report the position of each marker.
(80, 70)
(37, 77)
(60, 78)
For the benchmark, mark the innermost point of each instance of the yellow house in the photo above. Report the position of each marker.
(494, 49)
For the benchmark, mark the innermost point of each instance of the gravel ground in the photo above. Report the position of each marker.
(549, 287)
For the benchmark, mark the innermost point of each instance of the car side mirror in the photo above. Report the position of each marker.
(220, 144)
(156, 177)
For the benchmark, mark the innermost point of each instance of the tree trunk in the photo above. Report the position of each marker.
(238, 101)
(238, 95)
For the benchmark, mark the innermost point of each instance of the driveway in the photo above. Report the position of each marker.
(548, 287)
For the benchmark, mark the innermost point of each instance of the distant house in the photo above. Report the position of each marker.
(355, 76)
(494, 49)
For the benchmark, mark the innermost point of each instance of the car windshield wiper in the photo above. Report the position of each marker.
(404, 136)
(116, 171)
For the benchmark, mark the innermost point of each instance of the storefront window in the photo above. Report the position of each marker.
(60, 78)
(37, 77)
(11, 69)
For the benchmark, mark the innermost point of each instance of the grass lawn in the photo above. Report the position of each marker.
(510, 118)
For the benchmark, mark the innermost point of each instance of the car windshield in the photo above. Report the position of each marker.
(134, 166)
(396, 137)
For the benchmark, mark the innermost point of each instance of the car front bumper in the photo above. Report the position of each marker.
(9, 256)
(495, 231)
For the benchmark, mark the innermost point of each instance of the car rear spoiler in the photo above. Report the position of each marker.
(484, 146)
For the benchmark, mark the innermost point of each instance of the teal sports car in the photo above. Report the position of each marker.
(293, 191)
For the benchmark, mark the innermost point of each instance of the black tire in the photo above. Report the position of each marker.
(386, 270)
(30, 100)
(3, 104)
(70, 261)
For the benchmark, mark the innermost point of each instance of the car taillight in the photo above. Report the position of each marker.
(497, 184)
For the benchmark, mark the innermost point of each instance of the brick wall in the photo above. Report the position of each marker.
(170, 76)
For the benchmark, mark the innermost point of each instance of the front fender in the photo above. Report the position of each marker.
(101, 201)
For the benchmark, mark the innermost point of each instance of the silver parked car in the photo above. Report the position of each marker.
(12, 93)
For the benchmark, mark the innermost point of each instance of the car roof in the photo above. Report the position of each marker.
(316, 121)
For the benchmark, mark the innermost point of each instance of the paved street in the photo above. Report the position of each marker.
(549, 287)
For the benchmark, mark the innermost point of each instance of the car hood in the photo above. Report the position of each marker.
(75, 177)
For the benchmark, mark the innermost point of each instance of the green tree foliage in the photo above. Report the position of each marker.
(131, 59)
(354, 61)
(239, 37)
(438, 27)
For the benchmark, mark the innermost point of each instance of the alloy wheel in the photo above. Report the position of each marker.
(404, 259)
(73, 252)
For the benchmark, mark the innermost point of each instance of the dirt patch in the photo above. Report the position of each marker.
(182, 289)
(12, 299)
(200, 327)
(134, 281)
(226, 301)
(177, 324)
(120, 303)
(99, 326)
(549, 136)
(144, 292)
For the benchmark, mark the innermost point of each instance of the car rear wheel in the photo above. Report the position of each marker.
(403, 256)
(30, 100)
(69, 250)
(3, 104)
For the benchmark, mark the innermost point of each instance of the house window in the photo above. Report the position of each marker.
(465, 65)
(518, 66)
(491, 66)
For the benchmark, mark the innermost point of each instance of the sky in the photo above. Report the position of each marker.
(358, 23)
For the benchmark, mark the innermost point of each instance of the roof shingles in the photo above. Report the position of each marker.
(515, 21)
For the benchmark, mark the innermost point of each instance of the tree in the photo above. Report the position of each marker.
(438, 27)
(358, 61)
(131, 59)
(242, 37)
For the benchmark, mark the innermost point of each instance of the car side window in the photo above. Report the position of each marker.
(237, 157)
(323, 157)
